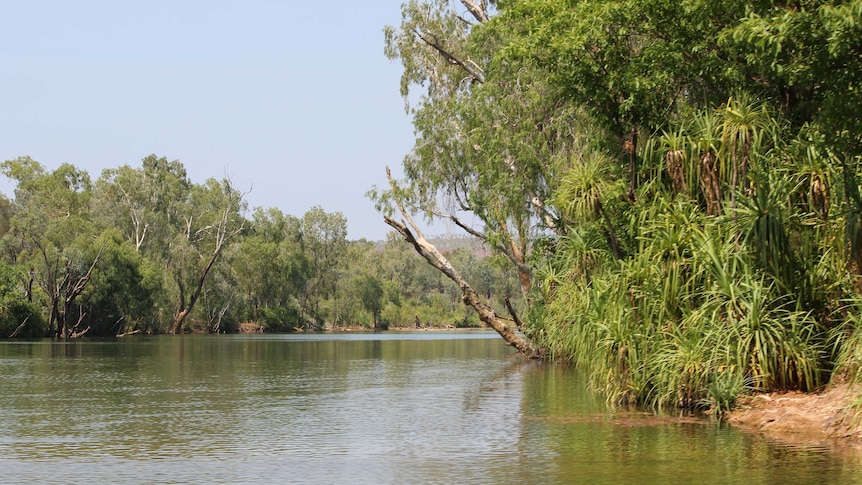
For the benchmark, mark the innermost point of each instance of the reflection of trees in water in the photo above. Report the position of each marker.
(507, 379)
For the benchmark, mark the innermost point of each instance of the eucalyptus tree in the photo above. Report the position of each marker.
(144, 202)
(271, 269)
(122, 295)
(180, 226)
(491, 141)
(51, 233)
(212, 217)
(18, 316)
(324, 243)
(370, 291)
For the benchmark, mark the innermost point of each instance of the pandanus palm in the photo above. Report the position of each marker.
(673, 144)
(744, 128)
(704, 146)
(582, 192)
(762, 219)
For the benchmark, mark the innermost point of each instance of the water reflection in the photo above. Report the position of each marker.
(353, 408)
(583, 442)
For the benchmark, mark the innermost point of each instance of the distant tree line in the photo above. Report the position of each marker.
(145, 249)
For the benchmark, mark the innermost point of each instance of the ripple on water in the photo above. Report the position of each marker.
(251, 410)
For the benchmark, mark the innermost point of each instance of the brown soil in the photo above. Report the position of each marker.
(818, 419)
(250, 327)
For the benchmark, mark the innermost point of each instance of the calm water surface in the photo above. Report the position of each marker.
(350, 408)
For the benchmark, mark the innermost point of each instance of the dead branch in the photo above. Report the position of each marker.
(18, 328)
(512, 312)
(83, 280)
(479, 11)
(432, 42)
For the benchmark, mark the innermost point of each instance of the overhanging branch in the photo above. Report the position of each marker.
(432, 42)
(413, 235)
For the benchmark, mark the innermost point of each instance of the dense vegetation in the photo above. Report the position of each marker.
(145, 249)
(675, 182)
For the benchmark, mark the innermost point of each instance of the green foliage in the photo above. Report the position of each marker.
(370, 291)
(121, 296)
(18, 316)
(709, 306)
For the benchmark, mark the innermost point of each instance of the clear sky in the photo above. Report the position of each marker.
(292, 99)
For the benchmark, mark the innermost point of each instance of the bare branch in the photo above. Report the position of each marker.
(546, 216)
(479, 11)
(512, 312)
(79, 286)
(18, 328)
(432, 42)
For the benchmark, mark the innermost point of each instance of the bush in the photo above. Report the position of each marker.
(280, 319)
(23, 314)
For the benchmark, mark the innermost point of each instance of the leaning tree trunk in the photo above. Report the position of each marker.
(223, 234)
(185, 308)
(507, 328)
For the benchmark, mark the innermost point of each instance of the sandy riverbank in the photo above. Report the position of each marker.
(802, 418)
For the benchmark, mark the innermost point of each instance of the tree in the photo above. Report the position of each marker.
(271, 269)
(121, 296)
(52, 230)
(213, 217)
(19, 317)
(732, 269)
(491, 140)
(144, 201)
(324, 244)
(370, 291)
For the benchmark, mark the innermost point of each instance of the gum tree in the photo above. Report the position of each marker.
(491, 139)
(52, 234)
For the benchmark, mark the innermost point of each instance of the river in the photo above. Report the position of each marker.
(353, 408)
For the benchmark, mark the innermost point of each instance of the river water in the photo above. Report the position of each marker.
(424, 407)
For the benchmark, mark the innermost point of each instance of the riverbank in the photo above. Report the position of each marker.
(824, 418)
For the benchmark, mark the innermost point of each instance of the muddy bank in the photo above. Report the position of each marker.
(798, 418)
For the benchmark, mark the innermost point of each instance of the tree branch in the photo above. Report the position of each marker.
(512, 312)
(479, 11)
(543, 213)
(431, 41)
(432, 255)
(76, 290)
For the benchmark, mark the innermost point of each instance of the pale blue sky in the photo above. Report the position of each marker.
(294, 100)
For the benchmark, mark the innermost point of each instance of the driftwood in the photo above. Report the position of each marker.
(79, 334)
